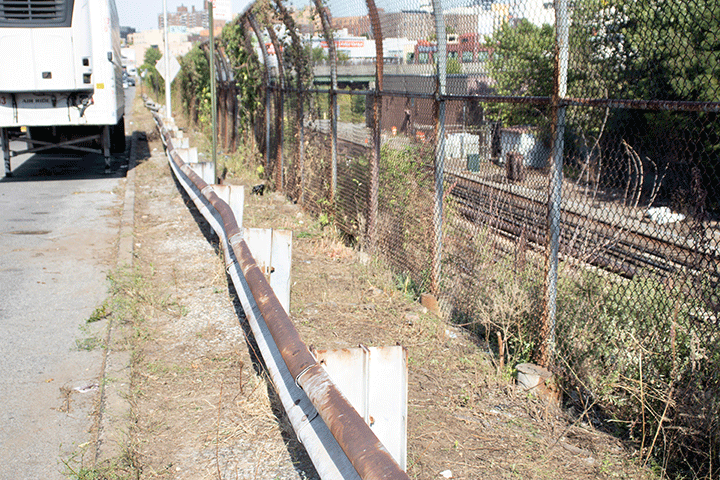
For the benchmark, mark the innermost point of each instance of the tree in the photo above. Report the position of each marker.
(316, 54)
(149, 73)
(246, 70)
(650, 49)
(194, 83)
(152, 55)
(674, 48)
(342, 58)
(660, 50)
(522, 64)
(646, 49)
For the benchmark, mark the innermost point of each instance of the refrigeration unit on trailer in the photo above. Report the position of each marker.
(61, 80)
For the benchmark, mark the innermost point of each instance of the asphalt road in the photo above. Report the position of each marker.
(59, 222)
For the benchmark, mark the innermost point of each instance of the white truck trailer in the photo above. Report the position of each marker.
(61, 77)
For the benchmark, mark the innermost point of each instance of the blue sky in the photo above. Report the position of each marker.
(143, 14)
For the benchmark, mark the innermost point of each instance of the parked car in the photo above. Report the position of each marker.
(128, 81)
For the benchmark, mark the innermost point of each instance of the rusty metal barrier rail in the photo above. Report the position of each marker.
(340, 444)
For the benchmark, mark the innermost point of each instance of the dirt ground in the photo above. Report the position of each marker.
(202, 406)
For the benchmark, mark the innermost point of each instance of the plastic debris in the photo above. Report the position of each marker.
(86, 388)
(664, 215)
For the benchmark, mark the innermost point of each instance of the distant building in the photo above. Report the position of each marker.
(537, 12)
(198, 18)
(358, 49)
(125, 31)
(488, 16)
(358, 26)
(411, 24)
(465, 48)
(141, 41)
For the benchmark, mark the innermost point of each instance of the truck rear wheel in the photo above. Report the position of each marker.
(117, 136)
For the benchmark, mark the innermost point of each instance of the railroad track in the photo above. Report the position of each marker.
(617, 247)
(623, 248)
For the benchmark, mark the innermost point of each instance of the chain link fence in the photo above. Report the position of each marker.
(548, 170)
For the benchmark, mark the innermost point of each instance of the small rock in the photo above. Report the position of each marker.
(446, 474)
(411, 318)
(373, 292)
(430, 302)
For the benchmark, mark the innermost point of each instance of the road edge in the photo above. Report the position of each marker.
(114, 407)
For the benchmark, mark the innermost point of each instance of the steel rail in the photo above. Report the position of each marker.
(625, 255)
(655, 238)
(367, 456)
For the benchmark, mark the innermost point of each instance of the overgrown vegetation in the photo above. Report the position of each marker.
(651, 371)
(149, 75)
(193, 82)
(132, 298)
(637, 358)
(615, 53)
(239, 88)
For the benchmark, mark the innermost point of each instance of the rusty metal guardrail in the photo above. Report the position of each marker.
(340, 444)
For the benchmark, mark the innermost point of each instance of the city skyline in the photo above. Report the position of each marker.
(143, 15)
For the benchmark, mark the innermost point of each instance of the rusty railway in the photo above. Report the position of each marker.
(619, 248)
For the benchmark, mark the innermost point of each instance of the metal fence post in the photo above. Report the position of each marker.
(166, 54)
(333, 126)
(547, 345)
(301, 72)
(301, 139)
(279, 113)
(266, 60)
(441, 63)
(373, 199)
(332, 54)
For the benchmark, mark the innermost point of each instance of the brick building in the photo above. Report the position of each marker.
(187, 18)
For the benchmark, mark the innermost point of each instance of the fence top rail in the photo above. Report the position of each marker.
(671, 105)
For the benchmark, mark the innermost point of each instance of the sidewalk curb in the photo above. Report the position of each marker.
(114, 407)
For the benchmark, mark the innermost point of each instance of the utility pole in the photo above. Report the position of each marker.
(166, 56)
(213, 96)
